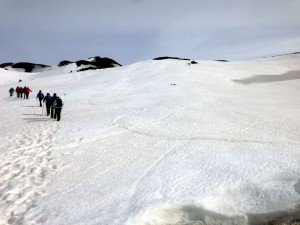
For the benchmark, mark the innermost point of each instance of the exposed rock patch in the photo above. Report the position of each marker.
(221, 60)
(64, 63)
(96, 63)
(168, 57)
(3, 65)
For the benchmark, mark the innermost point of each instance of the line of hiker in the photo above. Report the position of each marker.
(21, 92)
(54, 104)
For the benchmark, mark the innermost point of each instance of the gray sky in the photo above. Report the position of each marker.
(48, 31)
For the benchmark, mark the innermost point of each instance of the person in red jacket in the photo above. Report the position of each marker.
(26, 92)
(18, 91)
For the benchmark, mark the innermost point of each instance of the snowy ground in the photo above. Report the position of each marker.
(221, 146)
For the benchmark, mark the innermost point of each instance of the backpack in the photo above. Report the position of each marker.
(58, 103)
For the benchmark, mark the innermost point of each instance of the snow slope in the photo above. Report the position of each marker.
(11, 77)
(219, 145)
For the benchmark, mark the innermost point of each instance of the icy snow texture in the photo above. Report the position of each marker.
(133, 149)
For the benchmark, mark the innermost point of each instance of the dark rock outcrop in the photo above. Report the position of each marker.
(81, 65)
(104, 62)
(86, 68)
(168, 57)
(28, 67)
(96, 63)
(3, 65)
(82, 62)
(64, 63)
(221, 60)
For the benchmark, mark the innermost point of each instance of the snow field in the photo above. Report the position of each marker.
(25, 161)
(133, 149)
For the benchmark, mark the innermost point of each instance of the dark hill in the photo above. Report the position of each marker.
(96, 63)
(92, 63)
(28, 67)
(83, 62)
(3, 65)
(221, 60)
(168, 57)
(64, 63)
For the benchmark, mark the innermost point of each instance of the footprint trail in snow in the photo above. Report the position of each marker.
(22, 171)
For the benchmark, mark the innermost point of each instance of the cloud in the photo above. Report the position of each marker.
(134, 30)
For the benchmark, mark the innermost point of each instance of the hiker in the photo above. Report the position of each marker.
(11, 91)
(21, 92)
(48, 100)
(40, 96)
(52, 106)
(26, 92)
(18, 91)
(58, 104)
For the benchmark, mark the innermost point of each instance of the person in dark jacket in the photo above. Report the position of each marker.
(40, 96)
(24, 95)
(21, 92)
(53, 115)
(18, 91)
(58, 104)
(48, 100)
(11, 91)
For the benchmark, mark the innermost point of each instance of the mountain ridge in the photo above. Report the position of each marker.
(91, 63)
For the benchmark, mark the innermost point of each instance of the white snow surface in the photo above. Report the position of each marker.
(133, 149)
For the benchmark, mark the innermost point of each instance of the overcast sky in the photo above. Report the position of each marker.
(48, 31)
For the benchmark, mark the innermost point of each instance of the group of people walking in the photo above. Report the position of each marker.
(53, 103)
(21, 92)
